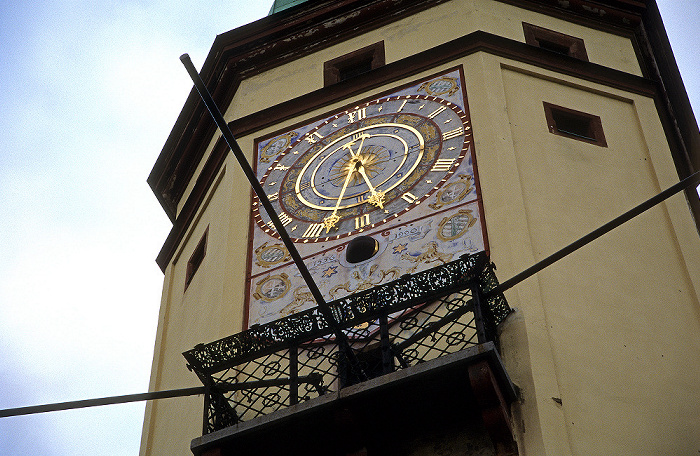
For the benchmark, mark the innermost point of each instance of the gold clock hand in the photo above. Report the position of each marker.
(330, 221)
(336, 176)
(363, 136)
(349, 145)
(377, 197)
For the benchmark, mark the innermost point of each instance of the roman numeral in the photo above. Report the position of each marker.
(274, 196)
(409, 197)
(357, 115)
(314, 230)
(313, 138)
(281, 167)
(442, 164)
(361, 221)
(284, 218)
(402, 105)
(436, 112)
(452, 134)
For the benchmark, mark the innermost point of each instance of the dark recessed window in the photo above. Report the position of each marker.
(574, 124)
(362, 66)
(555, 41)
(196, 259)
(353, 64)
(555, 47)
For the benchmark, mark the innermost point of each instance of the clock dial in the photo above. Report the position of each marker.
(362, 167)
(397, 170)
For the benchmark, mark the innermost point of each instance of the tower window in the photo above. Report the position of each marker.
(196, 259)
(353, 64)
(555, 41)
(574, 124)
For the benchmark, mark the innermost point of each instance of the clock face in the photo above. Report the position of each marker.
(398, 167)
(365, 166)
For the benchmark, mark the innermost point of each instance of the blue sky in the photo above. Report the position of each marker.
(89, 92)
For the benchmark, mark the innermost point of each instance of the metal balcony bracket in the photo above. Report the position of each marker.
(495, 409)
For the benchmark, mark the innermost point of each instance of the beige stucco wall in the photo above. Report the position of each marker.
(423, 31)
(209, 309)
(415, 34)
(612, 330)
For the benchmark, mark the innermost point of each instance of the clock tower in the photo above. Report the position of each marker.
(406, 147)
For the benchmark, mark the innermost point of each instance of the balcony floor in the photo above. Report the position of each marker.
(410, 411)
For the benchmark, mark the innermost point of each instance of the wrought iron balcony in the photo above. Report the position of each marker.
(403, 323)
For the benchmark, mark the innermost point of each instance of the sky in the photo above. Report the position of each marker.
(89, 91)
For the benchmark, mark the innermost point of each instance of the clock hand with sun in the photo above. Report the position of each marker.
(377, 197)
(354, 163)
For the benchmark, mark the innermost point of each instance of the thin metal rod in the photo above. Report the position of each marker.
(690, 181)
(479, 320)
(387, 358)
(252, 178)
(293, 374)
(262, 196)
(228, 386)
(101, 401)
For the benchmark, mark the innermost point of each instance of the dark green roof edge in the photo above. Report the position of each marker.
(280, 5)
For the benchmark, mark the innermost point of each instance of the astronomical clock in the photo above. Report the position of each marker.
(368, 193)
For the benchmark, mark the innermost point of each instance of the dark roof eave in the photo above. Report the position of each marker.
(240, 50)
(238, 45)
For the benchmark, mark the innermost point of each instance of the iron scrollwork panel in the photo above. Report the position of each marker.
(412, 320)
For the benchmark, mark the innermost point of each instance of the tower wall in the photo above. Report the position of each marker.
(602, 344)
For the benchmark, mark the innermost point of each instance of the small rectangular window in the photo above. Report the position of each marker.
(555, 41)
(353, 64)
(362, 66)
(574, 124)
(196, 258)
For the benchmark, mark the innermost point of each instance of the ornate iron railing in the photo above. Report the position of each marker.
(402, 323)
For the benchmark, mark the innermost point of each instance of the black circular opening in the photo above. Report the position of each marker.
(360, 249)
